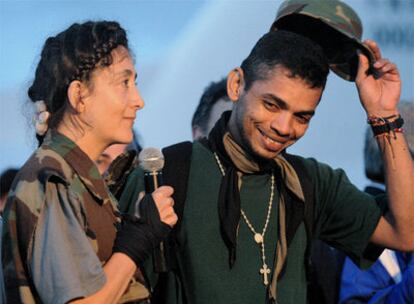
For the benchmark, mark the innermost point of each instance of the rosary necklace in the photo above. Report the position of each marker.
(259, 238)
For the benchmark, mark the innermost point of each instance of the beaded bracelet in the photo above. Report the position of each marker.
(375, 120)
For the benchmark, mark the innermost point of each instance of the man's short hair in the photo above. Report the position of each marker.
(374, 168)
(213, 93)
(301, 56)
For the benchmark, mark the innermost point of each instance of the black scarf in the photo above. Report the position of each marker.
(229, 205)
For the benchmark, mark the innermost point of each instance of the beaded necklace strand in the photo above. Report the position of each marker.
(259, 238)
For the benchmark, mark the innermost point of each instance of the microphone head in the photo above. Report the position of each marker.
(151, 159)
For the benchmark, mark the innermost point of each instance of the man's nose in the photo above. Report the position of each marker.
(282, 124)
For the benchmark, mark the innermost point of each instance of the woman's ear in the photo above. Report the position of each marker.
(76, 91)
(235, 84)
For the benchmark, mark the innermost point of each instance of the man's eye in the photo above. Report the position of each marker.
(270, 105)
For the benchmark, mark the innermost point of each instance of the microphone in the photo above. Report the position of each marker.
(151, 160)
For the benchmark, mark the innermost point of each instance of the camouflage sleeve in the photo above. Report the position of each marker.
(62, 261)
(116, 177)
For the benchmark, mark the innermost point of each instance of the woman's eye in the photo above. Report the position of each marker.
(303, 119)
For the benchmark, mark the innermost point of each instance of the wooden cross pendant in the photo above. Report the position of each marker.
(265, 271)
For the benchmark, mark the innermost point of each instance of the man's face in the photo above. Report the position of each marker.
(273, 114)
(108, 156)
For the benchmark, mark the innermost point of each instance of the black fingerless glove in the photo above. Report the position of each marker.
(137, 237)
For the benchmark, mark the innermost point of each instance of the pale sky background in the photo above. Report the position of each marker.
(180, 47)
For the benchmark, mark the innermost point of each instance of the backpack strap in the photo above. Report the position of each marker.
(175, 173)
(307, 215)
(297, 212)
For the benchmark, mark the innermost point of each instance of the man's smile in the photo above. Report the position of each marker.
(271, 144)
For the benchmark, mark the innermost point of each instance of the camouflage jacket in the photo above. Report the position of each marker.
(60, 226)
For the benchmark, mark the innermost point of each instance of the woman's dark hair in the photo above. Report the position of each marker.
(301, 56)
(72, 55)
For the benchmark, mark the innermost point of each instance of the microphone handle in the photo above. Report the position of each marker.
(153, 180)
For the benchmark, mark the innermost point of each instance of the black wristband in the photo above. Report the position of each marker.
(137, 238)
(387, 126)
(148, 211)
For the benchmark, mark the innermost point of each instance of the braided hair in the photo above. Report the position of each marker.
(72, 55)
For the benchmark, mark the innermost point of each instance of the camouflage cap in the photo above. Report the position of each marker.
(332, 24)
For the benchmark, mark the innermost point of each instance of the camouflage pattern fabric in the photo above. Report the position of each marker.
(334, 25)
(57, 171)
(337, 14)
(117, 174)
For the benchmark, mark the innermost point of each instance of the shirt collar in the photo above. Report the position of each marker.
(80, 162)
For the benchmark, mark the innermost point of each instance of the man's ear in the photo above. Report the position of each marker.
(76, 92)
(235, 84)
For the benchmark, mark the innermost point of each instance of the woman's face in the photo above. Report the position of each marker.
(113, 100)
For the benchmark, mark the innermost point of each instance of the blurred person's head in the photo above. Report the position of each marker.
(113, 151)
(275, 92)
(85, 81)
(6, 180)
(213, 103)
(108, 156)
(374, 168)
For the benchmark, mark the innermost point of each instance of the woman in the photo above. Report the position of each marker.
(64, 240)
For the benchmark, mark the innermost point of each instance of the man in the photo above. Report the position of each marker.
(233, 245)
(326, 262)
(109, 155)
(213, 103)
(391, 278)
(112, 152)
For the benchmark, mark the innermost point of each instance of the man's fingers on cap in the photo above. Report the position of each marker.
(373, 46)
(363, 60)
(380, 63)
(363, 67)
(389, 66)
